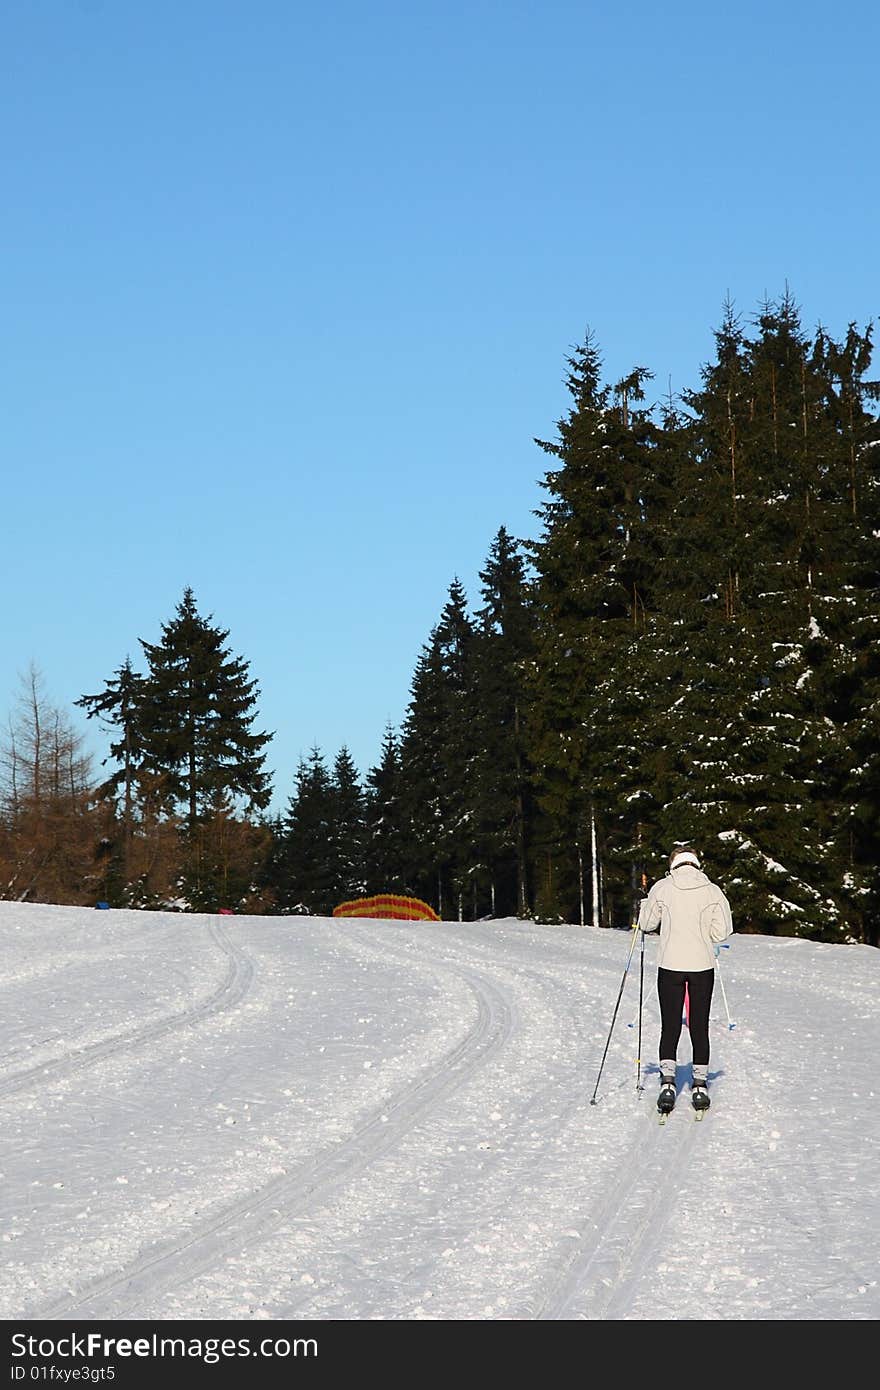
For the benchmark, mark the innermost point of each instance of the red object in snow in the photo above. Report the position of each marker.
(387, 906)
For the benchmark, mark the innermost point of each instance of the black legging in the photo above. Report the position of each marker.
(670, 988)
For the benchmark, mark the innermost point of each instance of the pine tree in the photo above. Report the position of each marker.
(437, 760)
(272, 880)
(197, 716)
(500, 784)
(385, 851)
(306, 863)
(420, 779)
(118, 706)
(595, 565)
(759, 651)
(697, 651)
(347, 829)
(849, 682)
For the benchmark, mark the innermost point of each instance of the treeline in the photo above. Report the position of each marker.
(177, 822)
(689, 649)
(705, 624)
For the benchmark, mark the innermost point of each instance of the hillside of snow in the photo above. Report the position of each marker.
(301, 1118)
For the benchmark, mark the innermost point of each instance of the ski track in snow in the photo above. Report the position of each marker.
(393, 1120)
(263, 1212)
(228, 994)
(626, 1230)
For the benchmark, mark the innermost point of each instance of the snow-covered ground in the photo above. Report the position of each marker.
(215, 1117)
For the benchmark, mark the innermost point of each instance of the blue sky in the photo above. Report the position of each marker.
(287, 291)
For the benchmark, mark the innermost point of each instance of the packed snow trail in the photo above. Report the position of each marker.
(255, 1216)
(312, 1118)
(228, 993)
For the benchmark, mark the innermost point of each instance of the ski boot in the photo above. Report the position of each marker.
(700, 1099)
(666, 1098)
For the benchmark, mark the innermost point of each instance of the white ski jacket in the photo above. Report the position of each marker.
(692, 915)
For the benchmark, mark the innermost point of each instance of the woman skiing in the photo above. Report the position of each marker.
(693, 916)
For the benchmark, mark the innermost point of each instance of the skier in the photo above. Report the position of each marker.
(693, 917)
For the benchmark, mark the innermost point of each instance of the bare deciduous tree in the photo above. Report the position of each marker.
(48, 825)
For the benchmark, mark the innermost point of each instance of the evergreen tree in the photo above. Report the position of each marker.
(347, 829)
(272, 880)
(385, 851)
(456, 641)
(759, 649)
(118, 706)
(197, 717)
(437, 760)
(850, 681)
(501, 792)
(699, 662)
(420, 778)
(307, 865)
(595, 565)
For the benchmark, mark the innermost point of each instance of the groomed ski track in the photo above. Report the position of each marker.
(231, 989)
(262, 1213)
(392, 1120)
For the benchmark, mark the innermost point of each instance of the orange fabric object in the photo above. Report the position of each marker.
(385, 905)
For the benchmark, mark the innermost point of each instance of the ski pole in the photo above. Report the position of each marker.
(730, 1025)
(639, 1087)
(614, 1015)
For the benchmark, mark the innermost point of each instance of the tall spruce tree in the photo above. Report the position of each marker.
(420, 779)
(456, 645)
(760, 534)
(197, 717)
(849, 682)
(795, 747)
(385, 848)
(699, 657)
(629, 701)
(306, 864)
(118, 706)
(500, 783)
(594, 566)
(437, 760)
(347, 830)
